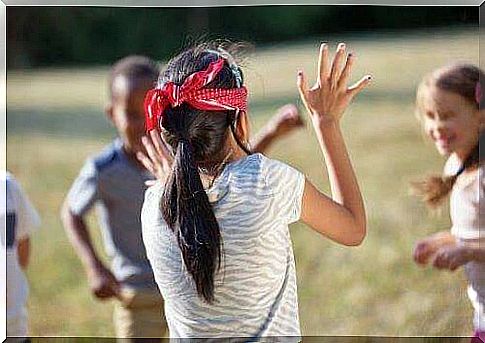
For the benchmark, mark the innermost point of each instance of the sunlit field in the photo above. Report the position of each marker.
(55, 120)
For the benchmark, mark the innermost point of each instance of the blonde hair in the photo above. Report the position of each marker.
(467, 81)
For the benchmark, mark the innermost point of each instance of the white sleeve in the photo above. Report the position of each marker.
(27, 216)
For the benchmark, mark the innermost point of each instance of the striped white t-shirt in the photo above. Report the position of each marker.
(254, 199)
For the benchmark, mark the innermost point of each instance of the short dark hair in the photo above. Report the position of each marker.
(134, 67)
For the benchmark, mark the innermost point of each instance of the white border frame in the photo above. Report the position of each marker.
(161, 3)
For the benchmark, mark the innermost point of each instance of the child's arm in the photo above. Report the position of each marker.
(428, 246)
(476, 254)
(23, 251)
(286, 119)
(102, 282)
(341, 218)
(453, 256)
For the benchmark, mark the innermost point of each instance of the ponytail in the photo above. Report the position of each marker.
(186, 209)
(198, 134)
(434, 189)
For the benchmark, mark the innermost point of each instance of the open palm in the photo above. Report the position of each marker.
(327, 100)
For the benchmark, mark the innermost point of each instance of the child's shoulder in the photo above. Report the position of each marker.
(270, 171)
(254, 167)
(452, 165)
(272, 167)
(151, 204)
(261, 163)
(10, 181)
(108, 156)
(154, 191)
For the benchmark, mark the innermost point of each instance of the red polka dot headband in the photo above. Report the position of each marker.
(192, 92)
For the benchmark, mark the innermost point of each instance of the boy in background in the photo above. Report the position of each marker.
(115, 181)
(21, 220)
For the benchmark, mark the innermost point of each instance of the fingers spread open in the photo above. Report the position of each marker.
(154, 156)
(344, 78)
(337, 65)
(161, 147)
(323, 65)
(359, 85)
(302, 87)
(146, 162)
(150, 149)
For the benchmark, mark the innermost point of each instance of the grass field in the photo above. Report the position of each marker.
(55, 120)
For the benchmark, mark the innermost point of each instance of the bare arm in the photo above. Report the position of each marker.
(78, 235)
(23, 250)
(286, 120)
(102, 282)
(427, 247)
(263, 139)
(453, 256)
(341, 218)
(477, 254)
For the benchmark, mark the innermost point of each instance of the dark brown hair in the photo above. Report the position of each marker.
(465, 80)
(199, 141)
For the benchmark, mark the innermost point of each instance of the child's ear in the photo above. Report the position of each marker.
(108, 110)
(242, 126)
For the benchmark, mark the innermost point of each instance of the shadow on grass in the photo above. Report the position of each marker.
(73, 122)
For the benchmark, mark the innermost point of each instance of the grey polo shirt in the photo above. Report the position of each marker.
(116, 186)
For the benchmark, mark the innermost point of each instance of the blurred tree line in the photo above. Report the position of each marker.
(60, 36)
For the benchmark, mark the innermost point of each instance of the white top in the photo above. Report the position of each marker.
(21, 219)
(254, 199)
(467, 211)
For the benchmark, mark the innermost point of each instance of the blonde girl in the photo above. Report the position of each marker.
(449, 104)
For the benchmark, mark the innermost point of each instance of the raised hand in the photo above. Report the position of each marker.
(327, 100)
(286, 119)
(158, 159)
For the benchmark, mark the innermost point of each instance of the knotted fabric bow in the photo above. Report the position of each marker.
(192, 92)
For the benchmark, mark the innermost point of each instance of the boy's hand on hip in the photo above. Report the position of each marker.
(103, 283)
(327, 100)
